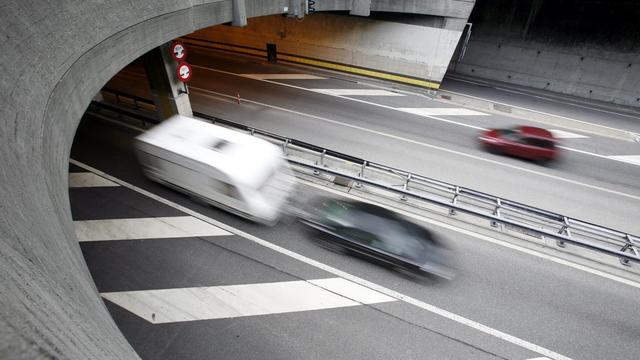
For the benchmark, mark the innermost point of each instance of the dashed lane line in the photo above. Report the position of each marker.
(630, 159)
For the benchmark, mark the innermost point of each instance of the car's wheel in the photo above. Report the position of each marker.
(543, 161)
(495, 150)
(330, 245)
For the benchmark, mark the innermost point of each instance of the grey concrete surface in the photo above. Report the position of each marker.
(588, 50)
(447, 8)
(54, 58)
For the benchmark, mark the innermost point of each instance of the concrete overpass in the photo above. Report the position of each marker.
(55, 58)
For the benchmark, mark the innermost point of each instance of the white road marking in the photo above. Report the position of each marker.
(357, 92)
(351, 290)
(399, 138)
(284, 76)
(88, 179)
(441, 111)
(540, 358)
(631, 159)
(394, 294)
(311, 90)
(561, 134)
(144, 228)
(415, 142)
(230, 301)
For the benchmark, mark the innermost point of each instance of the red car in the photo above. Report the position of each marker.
(521, 141)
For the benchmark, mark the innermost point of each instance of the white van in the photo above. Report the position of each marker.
(237, 172)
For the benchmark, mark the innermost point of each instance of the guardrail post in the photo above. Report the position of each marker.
(497, 212)
(628, 246)
(564, 230)
(316, 172)
(284, 145)
(405, 187)
(454, 201)
(361, 174)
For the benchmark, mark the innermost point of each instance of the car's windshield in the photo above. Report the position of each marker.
(398, 239)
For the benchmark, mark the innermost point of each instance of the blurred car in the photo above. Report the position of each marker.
(378, 235)
(526, 142)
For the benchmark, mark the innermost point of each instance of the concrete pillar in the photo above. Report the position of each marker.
(239, 13)
(297, 8)
(360, 7)
(168, 92)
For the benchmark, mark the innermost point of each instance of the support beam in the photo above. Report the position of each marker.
(239, 13)
(297, 8)
(360, 7)
(168, 92)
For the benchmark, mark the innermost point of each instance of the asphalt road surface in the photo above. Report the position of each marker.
(167, 278)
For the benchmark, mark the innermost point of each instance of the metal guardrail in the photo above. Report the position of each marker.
(417, 189)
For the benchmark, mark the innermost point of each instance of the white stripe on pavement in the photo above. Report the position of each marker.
(631, 159)
(145, 228)
(561, 134)
(357, 92)
(218, 302)
(210, 94)
(441, 111)
(360, 281)
(87, 179)
(284, 76)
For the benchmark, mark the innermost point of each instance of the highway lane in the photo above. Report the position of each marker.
(585, 186)
(602, 113)
(526, 296)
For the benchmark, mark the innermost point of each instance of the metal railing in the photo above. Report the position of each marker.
(417, 190)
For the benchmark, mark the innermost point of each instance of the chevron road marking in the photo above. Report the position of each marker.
(342, 274)
(230, 301)
(87, 179)
(145, 228)
(357, 92)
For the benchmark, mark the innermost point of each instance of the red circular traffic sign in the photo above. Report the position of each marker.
(183, 71)
(178, 51)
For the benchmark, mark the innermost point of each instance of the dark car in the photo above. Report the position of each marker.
(379, 235)
(526, 142)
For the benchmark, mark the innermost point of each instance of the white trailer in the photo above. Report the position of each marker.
(237, 172)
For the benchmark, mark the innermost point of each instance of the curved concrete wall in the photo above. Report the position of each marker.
(54, 56)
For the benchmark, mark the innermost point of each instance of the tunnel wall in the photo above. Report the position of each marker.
(589, 49)
(409, 50)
